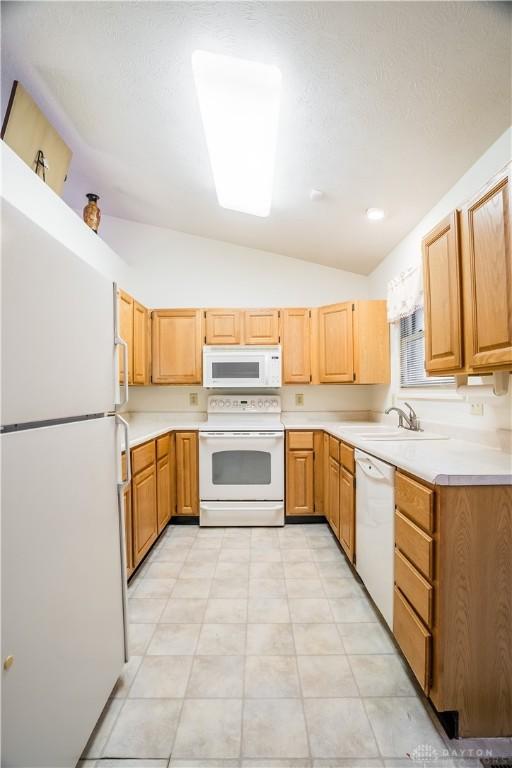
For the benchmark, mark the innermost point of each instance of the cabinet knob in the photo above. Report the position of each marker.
(9, 661)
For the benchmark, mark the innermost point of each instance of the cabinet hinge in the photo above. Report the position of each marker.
(205, 339)
(353, 307)
(204, 314)
(310, 378)
(353, 377)
(279, 340)
(309, 312)
(279, 313)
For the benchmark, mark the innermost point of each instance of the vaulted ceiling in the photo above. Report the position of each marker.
(384, 104)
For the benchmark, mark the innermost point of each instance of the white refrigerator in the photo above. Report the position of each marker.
(63, 586)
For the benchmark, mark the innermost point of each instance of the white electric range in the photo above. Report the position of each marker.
(241, 461)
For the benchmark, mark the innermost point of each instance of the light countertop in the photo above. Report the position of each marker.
(442, 462)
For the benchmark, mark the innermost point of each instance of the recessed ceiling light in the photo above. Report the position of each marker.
(239, 102)
(375, 214)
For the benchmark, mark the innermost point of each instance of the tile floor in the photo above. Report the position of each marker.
(258, 647)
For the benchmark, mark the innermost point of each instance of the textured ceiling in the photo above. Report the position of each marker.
(384, 104)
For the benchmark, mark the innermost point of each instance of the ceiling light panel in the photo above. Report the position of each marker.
(239, 102)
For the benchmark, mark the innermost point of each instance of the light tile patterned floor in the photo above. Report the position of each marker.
(259, 647)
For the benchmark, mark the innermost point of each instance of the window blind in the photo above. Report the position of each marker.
(412, 354)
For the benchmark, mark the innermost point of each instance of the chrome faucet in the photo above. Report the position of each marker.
(406, 421)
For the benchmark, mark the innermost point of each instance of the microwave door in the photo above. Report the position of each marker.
(247, 371)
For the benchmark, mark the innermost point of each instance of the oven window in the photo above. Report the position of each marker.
(236, 370)
(241, 468)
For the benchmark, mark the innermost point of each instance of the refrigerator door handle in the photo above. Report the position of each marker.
(122, 538)
(120, 342)
(120, 421)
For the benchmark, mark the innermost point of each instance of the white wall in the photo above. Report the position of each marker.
(173, 269)
(455, 412)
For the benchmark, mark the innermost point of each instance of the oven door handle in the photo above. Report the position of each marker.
(251, 435)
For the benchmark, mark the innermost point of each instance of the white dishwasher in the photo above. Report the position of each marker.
(375, 529)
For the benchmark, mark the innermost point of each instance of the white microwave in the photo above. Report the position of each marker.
(239, 367)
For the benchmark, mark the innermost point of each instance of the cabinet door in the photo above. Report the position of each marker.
(487, 273)
(325, 473)
(335, 343)
(172, 471)
(296, 339)
(347, 513)
(261, 326)
(147, 377)
(177, 345)
(126, 331)
(370, 331)
(223, 326)
(145, 522)
(139, 343)
(443, 307)
(334, 495)
(163, 484)
(187, 480)
(318, 473)
(299, 483)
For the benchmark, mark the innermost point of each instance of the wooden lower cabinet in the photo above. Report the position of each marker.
(187, 476)
(453, 599)
(300, 498)
(334, 496)
(145, 519)
(347, 521)
(128, 520)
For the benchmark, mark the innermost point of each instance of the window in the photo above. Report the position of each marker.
(412, 354)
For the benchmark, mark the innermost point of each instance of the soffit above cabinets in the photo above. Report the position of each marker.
(383, 104)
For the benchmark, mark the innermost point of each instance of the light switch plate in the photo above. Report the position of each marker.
(299, 399)
(192, 398)
(477, 409)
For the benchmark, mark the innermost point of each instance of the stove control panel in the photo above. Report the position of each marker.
(244, 404)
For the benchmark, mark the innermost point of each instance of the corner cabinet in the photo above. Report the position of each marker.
(134, 328)
(177, 336)
(467, 267)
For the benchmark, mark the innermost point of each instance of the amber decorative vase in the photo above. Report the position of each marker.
(92, 213)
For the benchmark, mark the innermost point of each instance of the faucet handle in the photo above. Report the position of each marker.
(412, 412)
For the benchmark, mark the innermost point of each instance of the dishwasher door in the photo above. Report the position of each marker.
(375, 529)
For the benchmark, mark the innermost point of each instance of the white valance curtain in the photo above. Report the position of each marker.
(405, 294)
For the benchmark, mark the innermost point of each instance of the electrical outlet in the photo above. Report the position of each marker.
(299, 399)
(477, 409)
(192, 398)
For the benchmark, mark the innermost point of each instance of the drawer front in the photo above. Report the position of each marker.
(415, 544)
(415, 500)
(162, 446)
(416, 589)
(334, 448)
(143, 456)
(413, 638)
(300, 441)
(347, 457)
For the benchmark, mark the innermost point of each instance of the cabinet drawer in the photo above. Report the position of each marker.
(417, 545)
(347, 457)
(416, 500)
(162, 446)
(416, 589)
(143, 456)
(300, 441)
(413, 638)
(334, 448)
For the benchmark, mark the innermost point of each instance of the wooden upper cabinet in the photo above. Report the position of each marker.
(371, 342)
(335, 343)
(443, 306)
(223, 326)
(140, 340)
(261, 326)
(296, 338)
(487, 275)
(126, 332)
(177, 336)
(187, 478)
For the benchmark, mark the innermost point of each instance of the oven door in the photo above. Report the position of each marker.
(241, 466)
(235, 370)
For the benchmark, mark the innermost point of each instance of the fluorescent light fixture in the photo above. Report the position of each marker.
(375, 214)
(239, 103)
